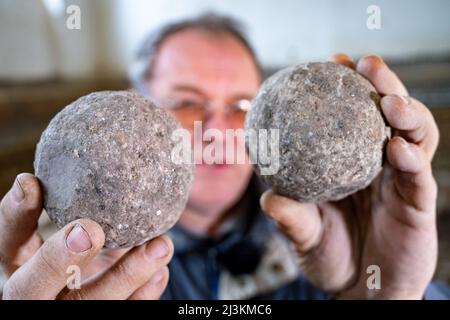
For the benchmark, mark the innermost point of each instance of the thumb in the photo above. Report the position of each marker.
(19, 213)
(301, 222)
(45, 274)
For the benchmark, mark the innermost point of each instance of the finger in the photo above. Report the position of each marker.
(25, 252)
(300, 221)
(413, 121)
(19, 213)
(413, 177)
(45, 275)
(376, 71)
(128, 274)
(103, 261)
(342, 59)
(154, 288)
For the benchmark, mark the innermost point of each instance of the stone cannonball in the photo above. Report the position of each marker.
(107, 157)
(332, 133)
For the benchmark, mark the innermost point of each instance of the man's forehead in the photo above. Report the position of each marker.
(195, 55)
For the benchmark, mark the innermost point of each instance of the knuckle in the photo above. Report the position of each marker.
(433, 125)
(126, 274)
(370, 59)
(426, 114)
(7, 213)
(170, 246)
(437, 133)
(371, 65)
(433, 187)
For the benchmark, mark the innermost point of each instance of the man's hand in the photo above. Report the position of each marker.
(39, 270)
(391, 224)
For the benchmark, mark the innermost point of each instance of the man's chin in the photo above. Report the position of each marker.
(213, 191)
(219, 184)
(216, 186)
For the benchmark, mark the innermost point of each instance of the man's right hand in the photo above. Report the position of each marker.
(38, 270)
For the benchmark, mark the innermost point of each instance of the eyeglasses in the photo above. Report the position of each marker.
(189, 110)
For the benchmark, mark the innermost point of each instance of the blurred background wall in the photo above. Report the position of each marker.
(283, 32)
(44, 65)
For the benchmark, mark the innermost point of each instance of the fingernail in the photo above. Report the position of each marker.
(17, 190)
(389, 101)
(156, 249)
(78, 239)
(264, 200)
(372, 59)
(378, 57)
(157, 277)
(403, 142)
(404, 99)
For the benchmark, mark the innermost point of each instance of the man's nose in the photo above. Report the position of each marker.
(217, 120)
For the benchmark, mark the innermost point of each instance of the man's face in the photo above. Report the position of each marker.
(193, 66)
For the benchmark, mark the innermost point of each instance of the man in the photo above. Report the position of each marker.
(224, 245)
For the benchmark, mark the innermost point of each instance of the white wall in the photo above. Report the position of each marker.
(289, 31)
(26, 53)
(282, 31)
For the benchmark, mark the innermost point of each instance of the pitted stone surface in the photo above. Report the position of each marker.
(107, 157)
(332, 132)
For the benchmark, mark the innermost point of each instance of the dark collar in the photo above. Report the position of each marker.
(240, 249)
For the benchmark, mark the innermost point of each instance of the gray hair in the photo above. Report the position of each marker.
(141, 68)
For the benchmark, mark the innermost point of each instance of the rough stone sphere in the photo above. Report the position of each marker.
(107, 157)
(332, 132)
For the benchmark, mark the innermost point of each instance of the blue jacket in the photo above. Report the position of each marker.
(252, 260)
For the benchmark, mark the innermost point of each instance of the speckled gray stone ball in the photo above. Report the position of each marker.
(107, 157)
(332, 132)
